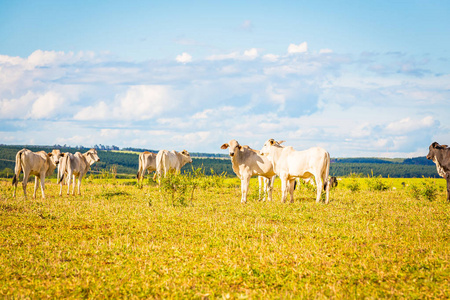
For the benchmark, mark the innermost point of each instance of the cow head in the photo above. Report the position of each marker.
(269, 143)
(55, 156)
(234, 147)
(186, 154)
(92, 154)
(433, 149)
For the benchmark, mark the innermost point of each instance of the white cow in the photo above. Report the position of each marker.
(171, 161)
(40, 164)
(76, 165)
(289, 164)
(147, 161)
(246, 163)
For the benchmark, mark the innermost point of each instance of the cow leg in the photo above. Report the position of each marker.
(270, 188)
(291, 189)
(36, 182)
(26, 175)
(327, 190)
(15, 187)
(73, 185)
(245, 182)
(284, 188)
(319, 186)
(261, 186)
(79, 184)
(447, 177)
(69, 179)
(42, 185)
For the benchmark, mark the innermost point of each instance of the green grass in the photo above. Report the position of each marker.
(118, 240)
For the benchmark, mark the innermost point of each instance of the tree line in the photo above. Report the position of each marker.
(127, 163)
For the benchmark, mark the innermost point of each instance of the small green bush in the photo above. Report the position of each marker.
(377, 184)
(426, 190)
(354, 185)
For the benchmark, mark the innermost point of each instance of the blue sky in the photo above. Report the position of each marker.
(359, 78)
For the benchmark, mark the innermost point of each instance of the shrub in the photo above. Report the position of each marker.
(377, 184)
(353, 185)
(426, 190)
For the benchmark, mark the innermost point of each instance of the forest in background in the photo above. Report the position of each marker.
(124, 163)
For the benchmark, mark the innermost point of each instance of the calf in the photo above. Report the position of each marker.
(246, 163)
(440, 155)
(171, 161)
(289, 164)
(147, 161)
(77, 165)
(40, 164)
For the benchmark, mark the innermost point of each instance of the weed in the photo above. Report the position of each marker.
(377, 184)
(353, 184)
(426, 190)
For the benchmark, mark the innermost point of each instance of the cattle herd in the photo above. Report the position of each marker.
(274, 159)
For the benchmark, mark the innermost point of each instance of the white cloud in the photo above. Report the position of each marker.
(306, 99)
(251, 53)
(301, 48)
(408, 125)
(271, 57)
(145, 102)
(184, 58)
(140, 102)
(100, 111)
(325, 51)
(16, 108)
(46, 106)
(233, 55)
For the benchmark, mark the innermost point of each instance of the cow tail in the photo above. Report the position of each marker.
(18, 167)
(141, 165)
(62, 169)
(327, 172)
(159, 166)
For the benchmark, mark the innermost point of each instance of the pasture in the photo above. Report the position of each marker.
(118, 240)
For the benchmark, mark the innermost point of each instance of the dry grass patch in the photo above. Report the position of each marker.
(118, 240)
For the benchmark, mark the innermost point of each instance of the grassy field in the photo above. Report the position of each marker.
(121, 241)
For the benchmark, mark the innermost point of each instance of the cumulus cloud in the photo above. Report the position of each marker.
(141, 102)
(184, 58)
(407, 125)
(251, 53)
(271, 57)
(46, 105)
(306, 99)
(325, 51)
(301, 48)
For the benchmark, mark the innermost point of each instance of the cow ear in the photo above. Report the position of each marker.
(49, 154)
(63, 154)
(224, 146)
(281, 142)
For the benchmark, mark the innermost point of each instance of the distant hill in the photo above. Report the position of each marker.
(125, 161)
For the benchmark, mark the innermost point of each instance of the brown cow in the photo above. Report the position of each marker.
(440, 155)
